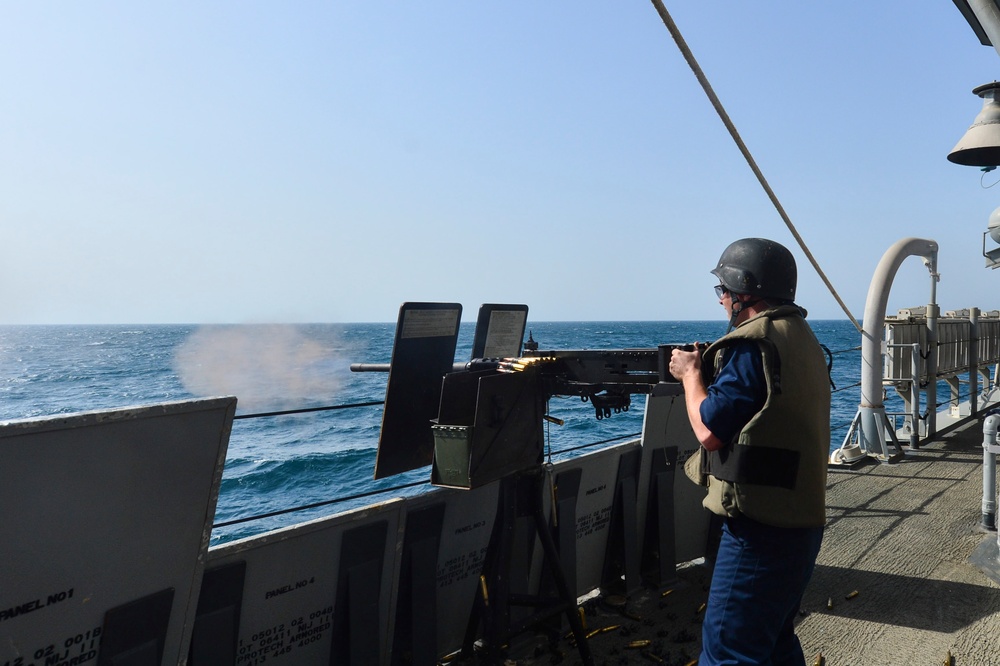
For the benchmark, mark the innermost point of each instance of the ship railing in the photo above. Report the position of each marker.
(962, 351)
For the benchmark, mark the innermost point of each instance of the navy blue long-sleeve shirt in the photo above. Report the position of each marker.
(738, 392)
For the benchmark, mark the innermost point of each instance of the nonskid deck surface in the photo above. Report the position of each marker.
(894, 583)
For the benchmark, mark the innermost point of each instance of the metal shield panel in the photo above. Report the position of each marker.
(666, 424)
(465, 536)
(101, 509)
(423, 352)
(594, 503)
(303, 583)
(499, 331)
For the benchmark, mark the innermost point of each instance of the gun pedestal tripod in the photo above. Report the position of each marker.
(520, 495)
(489, 429)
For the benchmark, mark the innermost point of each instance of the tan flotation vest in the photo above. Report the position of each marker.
(775, 469)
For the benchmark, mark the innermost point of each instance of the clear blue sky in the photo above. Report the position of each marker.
(261, 161)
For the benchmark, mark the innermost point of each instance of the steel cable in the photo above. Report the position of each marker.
(714, 99)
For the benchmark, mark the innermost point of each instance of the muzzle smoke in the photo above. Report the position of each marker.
(267, 367)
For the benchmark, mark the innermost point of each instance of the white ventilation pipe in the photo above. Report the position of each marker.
(873, 421)
(990, 449)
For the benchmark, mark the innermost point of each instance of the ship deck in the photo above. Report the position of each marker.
(900, 578)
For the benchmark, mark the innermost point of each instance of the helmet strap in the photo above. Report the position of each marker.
(738, 307)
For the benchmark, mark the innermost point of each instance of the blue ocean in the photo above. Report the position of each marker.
(323, 460)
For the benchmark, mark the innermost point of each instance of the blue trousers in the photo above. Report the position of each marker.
(760, 575)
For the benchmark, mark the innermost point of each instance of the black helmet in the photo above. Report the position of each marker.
(758, 267)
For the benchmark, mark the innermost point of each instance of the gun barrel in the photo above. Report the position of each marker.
(474, 364)
(369, 367)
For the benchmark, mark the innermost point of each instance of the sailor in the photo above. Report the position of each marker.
(759, 402)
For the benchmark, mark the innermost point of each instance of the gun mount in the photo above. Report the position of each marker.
(478, 421)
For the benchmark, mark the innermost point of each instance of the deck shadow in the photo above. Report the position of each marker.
(906, 601)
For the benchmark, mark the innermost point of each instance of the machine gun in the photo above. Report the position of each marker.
(606, 378)
(478, 421)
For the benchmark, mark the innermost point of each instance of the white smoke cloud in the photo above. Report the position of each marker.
(267, 367)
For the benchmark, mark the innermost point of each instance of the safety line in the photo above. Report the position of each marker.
(314, 505)
(707, 87)
(306, 410)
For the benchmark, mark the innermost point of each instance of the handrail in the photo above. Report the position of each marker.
(917, 356)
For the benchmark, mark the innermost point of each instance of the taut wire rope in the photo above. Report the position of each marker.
(707, 87)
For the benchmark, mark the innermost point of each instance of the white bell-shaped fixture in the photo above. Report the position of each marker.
(980, 147)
